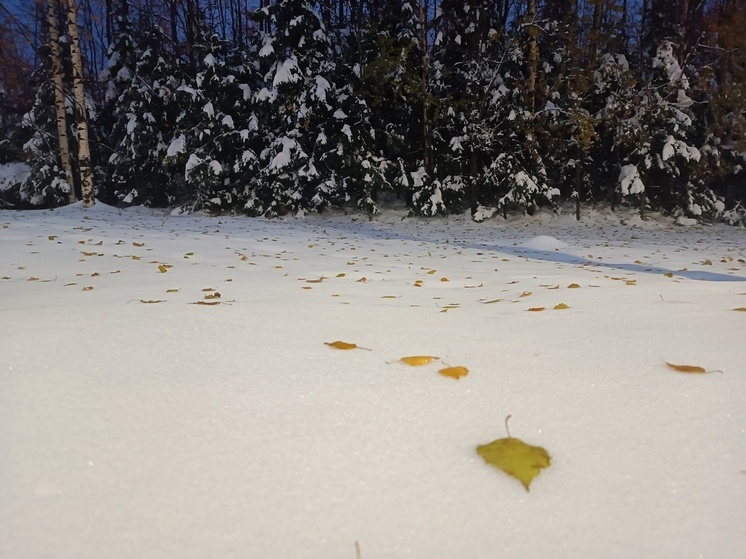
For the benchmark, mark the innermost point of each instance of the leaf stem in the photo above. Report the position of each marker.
(507, 429)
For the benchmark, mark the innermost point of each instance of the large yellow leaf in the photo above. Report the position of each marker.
(516, 458)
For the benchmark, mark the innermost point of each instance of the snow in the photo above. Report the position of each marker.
(629, 180)
(177, 145)
(171, 429)
(288, 71)
(12, 173)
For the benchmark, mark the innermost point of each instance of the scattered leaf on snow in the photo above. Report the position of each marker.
(454, 372)
(444, 279)
(362, 280)
(152, 301)
(138, 244)
(345, 345)
(516, 458)
(742, 309)
(163, 268)
(206, 303)
(340, 275)
(668, 274)
(417, 360)
(33, 278)
(573, 286)
(560, 307)
(172, 290)
(88, 288)
(537, 309)
(686, 368)
(525, 294)
(215, 295)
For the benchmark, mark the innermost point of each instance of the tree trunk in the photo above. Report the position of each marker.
(81, 115)
(59, 98)
(533, 55)
(425, 98)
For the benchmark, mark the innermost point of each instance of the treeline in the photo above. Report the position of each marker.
(497, 106)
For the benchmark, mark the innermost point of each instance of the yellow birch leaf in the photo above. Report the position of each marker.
(560, 307)
(742, 309)
(52, 237)
(341, 345)
(454, 372)
(345, 345)
(431, 272)
(573, 286)
(525, 294)
(516, 458)
(444, 279)
(417, 360)
(537, 309)
(686, 368)
(418, 283)
(668, 274)
(162, 268)
(340, 275)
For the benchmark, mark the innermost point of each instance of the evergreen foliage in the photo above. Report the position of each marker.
(329, 103)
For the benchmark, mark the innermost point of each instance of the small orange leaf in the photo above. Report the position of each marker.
(345, 345)
(454, 372)
(537, 309)
(444, 279)
(686, 368)
(362, 280)
(573, 286)
(417, 360)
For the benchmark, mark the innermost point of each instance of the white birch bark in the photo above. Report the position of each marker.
(84, 151)
(59, 98)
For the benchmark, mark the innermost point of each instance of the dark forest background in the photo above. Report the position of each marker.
(291, 106)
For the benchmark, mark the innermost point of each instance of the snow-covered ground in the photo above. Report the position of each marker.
(136, 428)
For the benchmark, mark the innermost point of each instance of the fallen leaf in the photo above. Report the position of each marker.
(341, 345)
(345, 345)
(172, 290)
(560, 307)
(340, 275)
(138, 244)
(686, 368)
(215, 295)
(152, 301)
(516, 458)
(525, 294)
(454, 372)
(162, 268)
(444, 279)
(52, 237)
(88, 288)
(742, 309)
(206, 303)
(537, 309)
(668, 274)
(362, 280)
(417, 360)
(573, 286)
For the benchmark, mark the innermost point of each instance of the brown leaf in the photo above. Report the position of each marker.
(686, 368)
(151, 301)
(537, 309)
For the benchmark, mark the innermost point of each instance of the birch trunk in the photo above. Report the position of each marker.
(84, 151)
(59, 99)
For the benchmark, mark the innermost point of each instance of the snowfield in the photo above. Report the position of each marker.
(137, 421)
